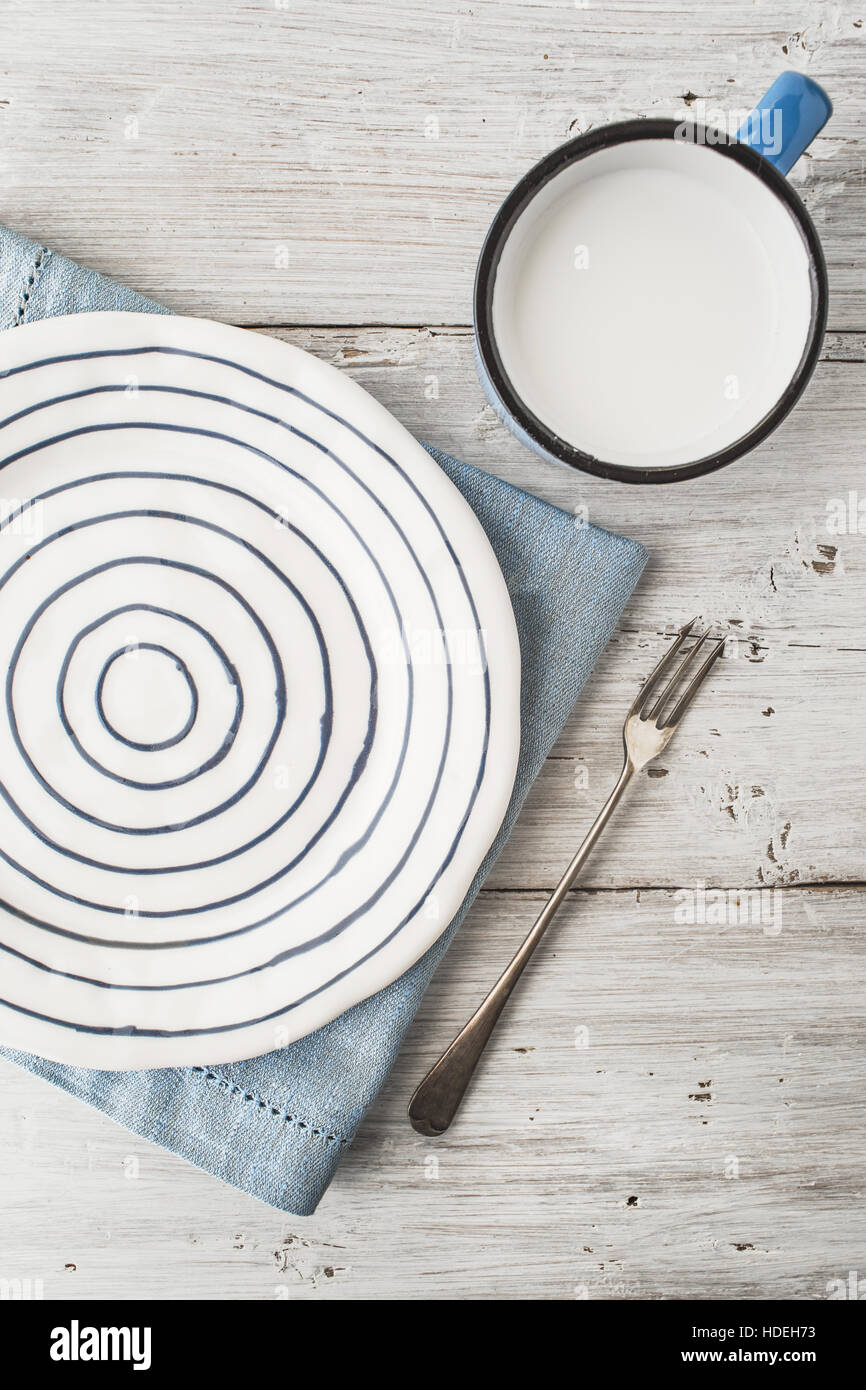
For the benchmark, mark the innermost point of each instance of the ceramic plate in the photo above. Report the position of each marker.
(261, 710)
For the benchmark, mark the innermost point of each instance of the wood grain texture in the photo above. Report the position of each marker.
(293, 161)
(754, 784)
(670, 1109)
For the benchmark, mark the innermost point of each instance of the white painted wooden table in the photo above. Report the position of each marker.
(671, 1110)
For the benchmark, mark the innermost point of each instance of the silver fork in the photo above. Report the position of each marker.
(649, 727)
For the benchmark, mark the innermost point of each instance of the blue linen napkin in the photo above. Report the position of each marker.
(277, 1126)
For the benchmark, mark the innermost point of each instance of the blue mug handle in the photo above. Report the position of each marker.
(786, 120)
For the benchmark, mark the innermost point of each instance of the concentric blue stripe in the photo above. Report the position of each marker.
(135, 425)
(328, 712)
(232, 676)
(187, 568)
(100, 692)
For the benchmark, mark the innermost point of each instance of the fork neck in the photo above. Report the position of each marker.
(601, 820)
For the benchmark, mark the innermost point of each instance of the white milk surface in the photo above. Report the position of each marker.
(652, 303)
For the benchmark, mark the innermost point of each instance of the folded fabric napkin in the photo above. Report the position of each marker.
(277, 1126)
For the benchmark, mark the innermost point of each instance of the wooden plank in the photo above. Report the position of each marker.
(756, 778)
(305, 163)
(668, 1110)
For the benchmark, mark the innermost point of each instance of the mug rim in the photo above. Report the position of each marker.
(522, 194)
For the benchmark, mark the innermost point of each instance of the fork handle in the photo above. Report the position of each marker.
(437, 1099)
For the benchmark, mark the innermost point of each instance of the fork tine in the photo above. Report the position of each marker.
(646, 690)
(691, 689)
(671, 685)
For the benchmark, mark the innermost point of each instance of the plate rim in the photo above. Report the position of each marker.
(273, 357)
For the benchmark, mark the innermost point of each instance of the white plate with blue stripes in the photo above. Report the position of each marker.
(261, 711)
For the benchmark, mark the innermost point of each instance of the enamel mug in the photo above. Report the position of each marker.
(651, 298)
